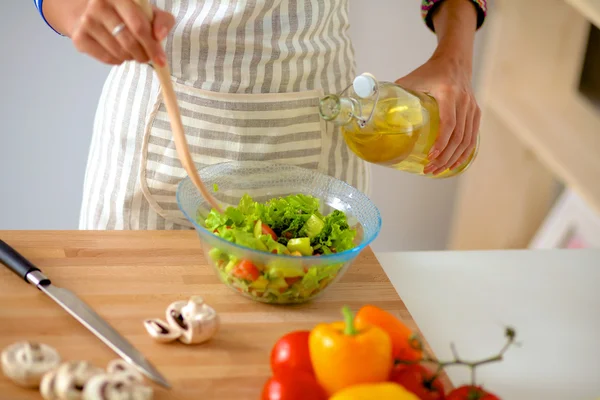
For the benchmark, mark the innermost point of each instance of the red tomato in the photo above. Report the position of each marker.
(290, 354)
(298, 386)
(468, 392)
(417, 379)
(291, 281)
(266, 230)
(246, 270)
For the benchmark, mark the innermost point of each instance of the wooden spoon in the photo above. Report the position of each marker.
(170, 99)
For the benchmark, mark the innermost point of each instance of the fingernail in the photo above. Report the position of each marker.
(439, 171)
(161, 60)
(455, 165)
(162, 33)
(433, 154)
(429, 168)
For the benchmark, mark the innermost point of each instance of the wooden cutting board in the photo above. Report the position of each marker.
(127, 276)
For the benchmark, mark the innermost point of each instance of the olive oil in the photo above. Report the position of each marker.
(387, 125)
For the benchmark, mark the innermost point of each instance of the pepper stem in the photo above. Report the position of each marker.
(350, 329)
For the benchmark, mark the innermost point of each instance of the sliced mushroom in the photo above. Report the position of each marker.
(47, 386)
(161, 331)
(25, 363)
(71, 378)
(122, 368)
(115, 387)
(198, 321)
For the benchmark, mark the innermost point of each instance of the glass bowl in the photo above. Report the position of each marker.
(302, 278)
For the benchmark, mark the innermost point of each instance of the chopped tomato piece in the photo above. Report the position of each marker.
(291, 281)
(246, 270)
(266, 230)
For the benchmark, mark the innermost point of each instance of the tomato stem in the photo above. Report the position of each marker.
(510, 335)
(349, 329)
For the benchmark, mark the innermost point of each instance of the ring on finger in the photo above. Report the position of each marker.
(118, 29)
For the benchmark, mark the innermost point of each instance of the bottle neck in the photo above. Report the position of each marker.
(339, 110)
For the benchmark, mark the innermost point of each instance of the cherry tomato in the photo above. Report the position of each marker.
(418, 380)
(246, 270)
(468, 392)
(296, 386)
(266, 230)
(291, 354)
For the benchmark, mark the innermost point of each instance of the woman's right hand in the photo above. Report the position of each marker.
(98, 32)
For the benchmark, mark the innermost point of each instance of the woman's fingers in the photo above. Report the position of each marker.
(162, 24)
(466, 140)
(114, 31)
(96, 30)
(140, 28)
(87, 44)
(469, 150)
(447, 123)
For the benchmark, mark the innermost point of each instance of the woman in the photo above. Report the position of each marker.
(248, 75)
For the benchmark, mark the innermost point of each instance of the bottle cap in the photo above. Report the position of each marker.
(364, 85)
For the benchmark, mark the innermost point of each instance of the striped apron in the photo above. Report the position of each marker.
(248, 75)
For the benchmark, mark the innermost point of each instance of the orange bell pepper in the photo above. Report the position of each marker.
(343, 356)
(399, 333)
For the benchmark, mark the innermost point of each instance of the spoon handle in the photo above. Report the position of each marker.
(170, 100)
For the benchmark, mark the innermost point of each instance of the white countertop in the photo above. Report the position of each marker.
(551, 298)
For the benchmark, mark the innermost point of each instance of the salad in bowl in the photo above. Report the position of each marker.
(285, 234)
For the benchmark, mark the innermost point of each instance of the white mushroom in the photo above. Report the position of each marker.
(161, 331)
(122, 368)
(71, 378)
(47, 386)
(115, 387)
(197, 321)
(25, 363)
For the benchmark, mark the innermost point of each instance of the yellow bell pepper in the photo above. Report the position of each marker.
(343, 356)
(371, 391)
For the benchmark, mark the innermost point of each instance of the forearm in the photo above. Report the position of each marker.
(62, 15)
(455, 23)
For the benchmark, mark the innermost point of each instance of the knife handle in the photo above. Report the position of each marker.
(15, 261)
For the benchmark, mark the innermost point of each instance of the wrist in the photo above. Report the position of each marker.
(454, 57)
(455, 23)
(64, 16)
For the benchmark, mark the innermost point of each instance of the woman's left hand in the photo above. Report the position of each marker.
(449, 82)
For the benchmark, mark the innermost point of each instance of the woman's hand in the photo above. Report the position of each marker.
(447, 77)
(114, 31)
(450, 84)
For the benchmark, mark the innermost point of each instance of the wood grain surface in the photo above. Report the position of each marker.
(127, 276)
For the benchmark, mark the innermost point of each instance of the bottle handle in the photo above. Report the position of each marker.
(361, 121)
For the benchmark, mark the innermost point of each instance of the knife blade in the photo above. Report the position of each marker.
(80, 311)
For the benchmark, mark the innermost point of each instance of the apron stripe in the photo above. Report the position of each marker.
(244, 49)
(124, 154)
(218, 70)
(278, 105)
(296, 138)
(272, 78)
(301, 83)
(94, 153)
(176, 38)
(239, 53)
(107, 126)
(258, 53)
(327, 71)
(114, 144)
(314, 62)
(286, 44)
(132, 197)
(190, 31)
(204, 44)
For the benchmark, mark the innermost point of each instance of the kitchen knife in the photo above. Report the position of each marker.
(81, 311)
